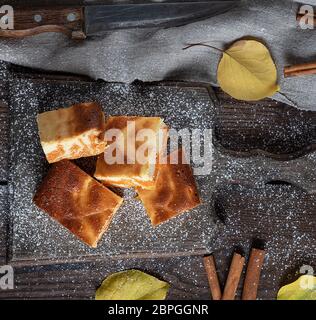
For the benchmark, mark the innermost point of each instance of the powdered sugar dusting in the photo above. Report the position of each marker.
(281, 215)
(35, 235)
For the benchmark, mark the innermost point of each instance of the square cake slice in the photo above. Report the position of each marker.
(77, 201)
(148, 136)
(71, 133)
(174, 191)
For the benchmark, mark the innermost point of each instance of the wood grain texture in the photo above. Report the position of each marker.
(88, 2)
(281, 215)
(288, 248)
(3, 223)
(4, 123)
(80, 281)
(267, 127)
(4, 140)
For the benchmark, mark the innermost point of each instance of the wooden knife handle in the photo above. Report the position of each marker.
(32, 21)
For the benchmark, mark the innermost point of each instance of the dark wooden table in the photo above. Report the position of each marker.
(280, 212)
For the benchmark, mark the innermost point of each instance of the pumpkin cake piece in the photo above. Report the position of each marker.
(77, 201)
(131, 170)
(72, 133)
(174, 191)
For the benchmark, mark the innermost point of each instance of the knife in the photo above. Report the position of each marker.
(95, 20)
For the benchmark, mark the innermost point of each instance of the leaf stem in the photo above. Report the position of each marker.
(190, 45)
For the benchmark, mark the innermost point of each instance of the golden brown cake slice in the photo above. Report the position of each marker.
(71, 133)
(77, 201)
(174, 191)
(132, 169)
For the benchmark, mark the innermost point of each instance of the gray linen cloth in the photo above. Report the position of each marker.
(156, 54)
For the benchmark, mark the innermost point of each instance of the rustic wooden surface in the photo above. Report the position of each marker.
(85, 2)
(247, 131)
(247, 213)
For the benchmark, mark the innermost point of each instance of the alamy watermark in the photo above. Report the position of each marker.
(6, 17)
(6, 277)
(147, 146)
(307, 283)
(307, 17)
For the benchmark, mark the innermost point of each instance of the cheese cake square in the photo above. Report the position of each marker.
(132, 167)
(71, 133)
(77, 201)
(174, 191)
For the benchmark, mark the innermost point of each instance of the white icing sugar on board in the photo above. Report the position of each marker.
(36, 236)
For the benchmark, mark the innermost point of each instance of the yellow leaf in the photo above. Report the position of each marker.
(247, 71)
(132, 285)
(304, 288)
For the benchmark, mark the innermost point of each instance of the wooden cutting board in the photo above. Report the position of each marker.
(35, 237)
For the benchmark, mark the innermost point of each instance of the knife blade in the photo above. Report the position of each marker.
(100, 19)
(95, 20)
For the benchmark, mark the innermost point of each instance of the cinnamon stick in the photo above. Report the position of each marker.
(253, 274)
(233, 278)
(209, 265)
(300, 70)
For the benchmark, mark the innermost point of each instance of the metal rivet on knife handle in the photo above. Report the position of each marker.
(38, 18)
(71, 17)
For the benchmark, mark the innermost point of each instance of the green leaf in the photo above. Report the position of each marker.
(304, 288)
(132, 285)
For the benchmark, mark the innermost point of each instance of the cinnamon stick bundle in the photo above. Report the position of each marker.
(233, 278)
(210, 268)
(253, 274)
